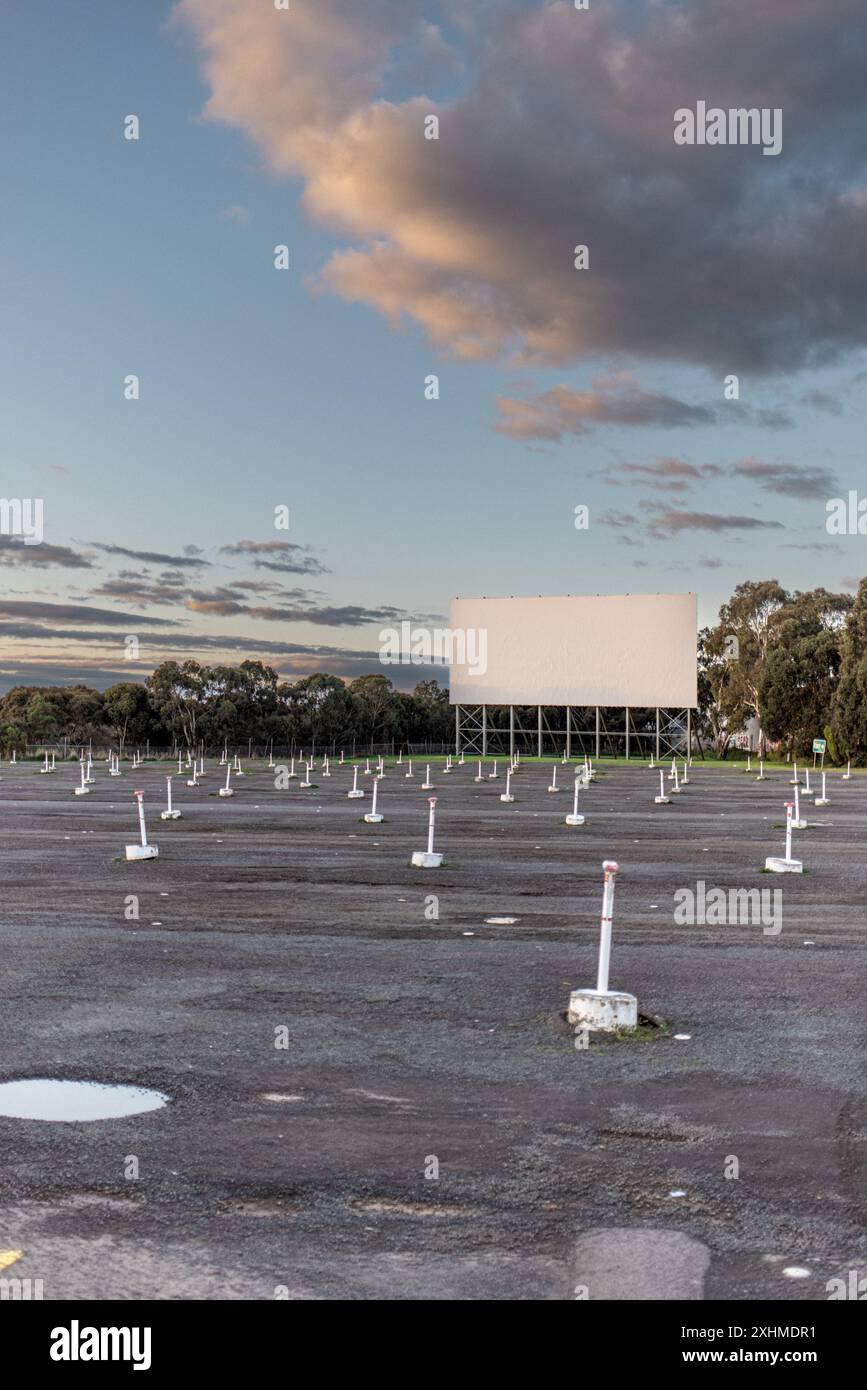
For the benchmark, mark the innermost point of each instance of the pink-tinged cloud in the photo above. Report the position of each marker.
(621, 401)
(560, 132)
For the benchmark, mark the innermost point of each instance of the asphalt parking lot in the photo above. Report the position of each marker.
(367, 1101)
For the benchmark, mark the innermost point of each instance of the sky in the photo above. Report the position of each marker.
(308, 388)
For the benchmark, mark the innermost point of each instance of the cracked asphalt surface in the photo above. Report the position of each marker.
(300, 1170)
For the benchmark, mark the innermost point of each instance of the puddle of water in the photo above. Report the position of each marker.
(45, 1099)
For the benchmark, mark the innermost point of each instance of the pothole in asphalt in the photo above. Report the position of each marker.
(41, 1098)
(388, 1205)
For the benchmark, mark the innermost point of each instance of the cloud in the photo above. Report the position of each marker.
(824, 400)
(189, 559)
(237, 213)
(809, 545)
(557, 131)
(563, 411)
(668, 474)
(141, 591)
(791, 479)
(16, 552)
(670, 522)
(282, 556)
(75, 613)
(347, 615)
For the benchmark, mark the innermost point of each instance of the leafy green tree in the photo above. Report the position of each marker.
(750, 617)
(178, 696)
(722, 709)
(126, 710)
(849, 712)
(376, 707)
(40, 718)
(11, 739)
(801, 669)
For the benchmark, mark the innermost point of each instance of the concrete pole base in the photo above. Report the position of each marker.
(225, 791)
(82, 791)
(427, 786)
(777, 865)
(574, 820)
(373, 820)
(493, 776)
(663, 800)
(605, 1012)
(555, 789)
(799, 825)
(170, 815)
(191, 783)
(504, 796)
(480, 779)
(422, 860)
(761, 777)
(142, 852)
(822, 801)
(353, 796)
(305, 784)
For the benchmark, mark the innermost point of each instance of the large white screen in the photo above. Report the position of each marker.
(621, 649)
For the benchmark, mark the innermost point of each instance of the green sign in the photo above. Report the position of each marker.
(819, 745)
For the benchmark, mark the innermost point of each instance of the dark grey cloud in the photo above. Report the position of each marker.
(189, 560)
(791, 479)
(346, 615)
(142, 592)
(15, 552)
(824, 400)
(76, 613)
(281, 556)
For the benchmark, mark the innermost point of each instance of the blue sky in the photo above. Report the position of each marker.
(261, 388)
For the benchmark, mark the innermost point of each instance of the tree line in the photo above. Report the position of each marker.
(190, 705)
